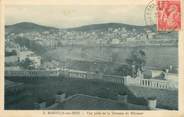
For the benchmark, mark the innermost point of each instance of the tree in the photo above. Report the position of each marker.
(136, 61)
(124, 70)
(27, 64)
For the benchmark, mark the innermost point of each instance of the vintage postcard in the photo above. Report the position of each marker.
(91, 58)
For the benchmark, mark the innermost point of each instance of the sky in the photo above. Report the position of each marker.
(73, 16)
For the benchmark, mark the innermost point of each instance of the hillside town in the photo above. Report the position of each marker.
(110, 36)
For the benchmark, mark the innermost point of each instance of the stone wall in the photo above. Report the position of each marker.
(129, 81)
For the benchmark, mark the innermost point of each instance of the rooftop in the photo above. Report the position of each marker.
(25, 53)
(11, 59)
(86, 102)
(9, 84)
(12, 68)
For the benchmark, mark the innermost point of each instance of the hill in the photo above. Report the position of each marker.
(105, 26)
(27, 27)
(32, 27)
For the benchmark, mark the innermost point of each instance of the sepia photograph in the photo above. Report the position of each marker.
(91, 57)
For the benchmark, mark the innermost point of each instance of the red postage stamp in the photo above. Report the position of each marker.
(168, 15)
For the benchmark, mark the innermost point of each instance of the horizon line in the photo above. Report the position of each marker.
(75, 26)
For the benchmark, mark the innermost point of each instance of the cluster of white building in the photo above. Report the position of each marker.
(21, 56)
(63, 37)
(36, 60)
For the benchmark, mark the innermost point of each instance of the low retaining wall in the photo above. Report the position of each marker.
(114, 78)
(31, 73)
(150, 83)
